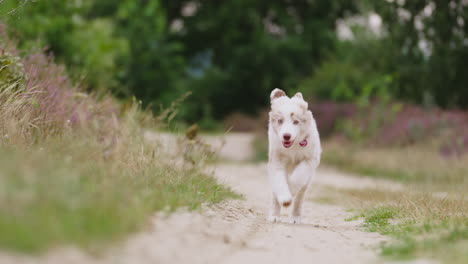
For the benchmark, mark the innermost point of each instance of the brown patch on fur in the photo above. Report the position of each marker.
(287, 203)
(279, 93)
(292, 114)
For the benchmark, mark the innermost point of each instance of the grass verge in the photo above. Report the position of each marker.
(68, 194)
(420, 224)
(75, 168)
(423, 224)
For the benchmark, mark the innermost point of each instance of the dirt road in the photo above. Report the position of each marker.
(236, 231)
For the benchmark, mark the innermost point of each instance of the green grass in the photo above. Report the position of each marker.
(419, 224)
(377, 219)
(442, 238)
(66, 192)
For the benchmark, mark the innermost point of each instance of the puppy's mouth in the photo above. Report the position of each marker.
(288, 143)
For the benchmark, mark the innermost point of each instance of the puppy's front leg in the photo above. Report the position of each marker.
(280, 186)
(299, 180)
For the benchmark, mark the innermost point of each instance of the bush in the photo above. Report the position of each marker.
(97, 53)
(335, 80)
(88, 46)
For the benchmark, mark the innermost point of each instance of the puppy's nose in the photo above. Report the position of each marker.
(287, 136)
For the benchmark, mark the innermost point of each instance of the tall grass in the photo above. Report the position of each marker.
(420, 164)
(75, 169)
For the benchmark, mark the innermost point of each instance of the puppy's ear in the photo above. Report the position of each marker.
(276, 93)
(299, 95)
(303, 104)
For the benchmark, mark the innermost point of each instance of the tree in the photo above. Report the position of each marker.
(230, 54)
(427, 41)
(155, 66)
(238, 51)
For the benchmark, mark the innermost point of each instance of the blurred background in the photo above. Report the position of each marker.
(230, 55)
(387, 80)
(387, 72)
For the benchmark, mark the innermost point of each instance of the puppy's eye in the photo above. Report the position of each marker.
(296, 122)
(280, 121)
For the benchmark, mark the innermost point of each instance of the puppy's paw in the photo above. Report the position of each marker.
(273, 218)
(285, 200)
(295, 219)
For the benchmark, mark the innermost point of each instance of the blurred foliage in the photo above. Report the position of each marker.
(420, 54)
(97, 53)
(87, 45)
(239, 50)
(230, 54)
(11, 71)
(355, 71)
(154, 66)
(427, 49)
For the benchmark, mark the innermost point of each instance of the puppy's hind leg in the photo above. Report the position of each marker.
(297, 206)
(275, 210)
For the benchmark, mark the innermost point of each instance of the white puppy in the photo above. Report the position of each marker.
(294, 152)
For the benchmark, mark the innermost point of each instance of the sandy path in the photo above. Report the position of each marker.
(323, 237)
(236, 231)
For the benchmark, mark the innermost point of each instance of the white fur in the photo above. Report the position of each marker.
(291, 168)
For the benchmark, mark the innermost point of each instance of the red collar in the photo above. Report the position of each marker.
(303, 143)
